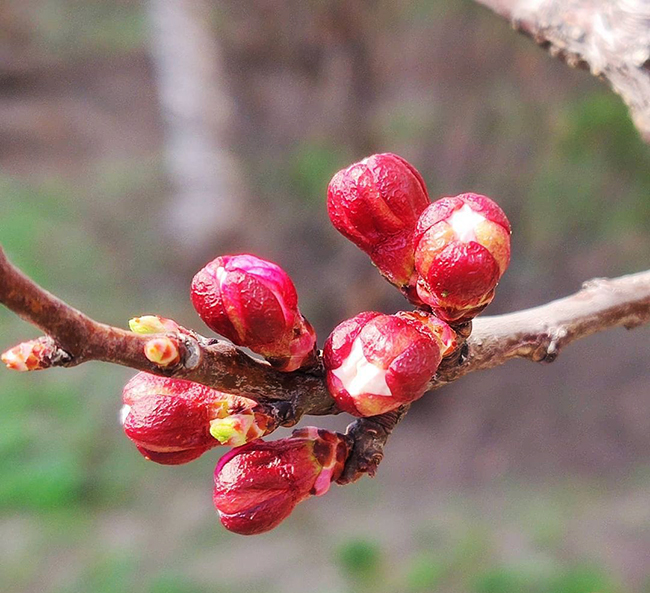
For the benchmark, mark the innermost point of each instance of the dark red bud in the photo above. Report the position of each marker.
(375, 363)
(173, 421)
(376, 204)
(258, 485)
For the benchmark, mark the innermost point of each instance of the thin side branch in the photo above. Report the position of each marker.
(368, 437)
(611, 38)
(540, 333)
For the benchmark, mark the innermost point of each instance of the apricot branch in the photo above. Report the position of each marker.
(215, 363)
(537, 334)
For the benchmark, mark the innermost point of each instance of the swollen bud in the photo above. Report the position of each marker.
(162, 351)
(376, 204)
(173, 421)
(258, 485)
(462, 248)
(253, 303)
(34, 355)
(375, 363)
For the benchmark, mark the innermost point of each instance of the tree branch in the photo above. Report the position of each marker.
(537, 334)
(367, 439)
(610, 38)
(214, 363)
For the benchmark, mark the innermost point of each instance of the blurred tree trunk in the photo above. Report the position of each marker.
(207, 203)
(352, 35)
(16, 41)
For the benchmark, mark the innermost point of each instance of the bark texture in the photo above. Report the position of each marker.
(611, 38)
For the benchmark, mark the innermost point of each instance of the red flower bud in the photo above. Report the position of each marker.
(375, 363)
(253, 303)
(258, 485)
(376, 204)
(174, 421)
(462, 248)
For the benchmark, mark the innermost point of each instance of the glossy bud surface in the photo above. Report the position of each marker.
(171, 421)
(258, 485)
(253, 303)
(375, 363)
(376, 204)
(462, 248)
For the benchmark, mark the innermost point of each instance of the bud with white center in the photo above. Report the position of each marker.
(375, 363)
(462, 248)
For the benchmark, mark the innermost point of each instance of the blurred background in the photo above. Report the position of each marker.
(138, 140)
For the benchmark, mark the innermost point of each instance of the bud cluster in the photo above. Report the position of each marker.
(446, 257)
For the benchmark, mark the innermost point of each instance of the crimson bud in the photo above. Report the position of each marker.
(253, 303)
(258, 485)
(462, 248)
(173, 421)
(376, 204)
(375, 363)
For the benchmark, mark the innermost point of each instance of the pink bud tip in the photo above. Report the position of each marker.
(253, 303)
(33, 355)
(258, 485)
(375, 363)
(171, 420)
(462, 248)
(162, 351)
(376, 204)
